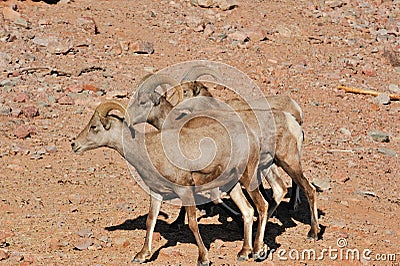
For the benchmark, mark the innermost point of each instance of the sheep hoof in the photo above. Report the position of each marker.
(137, 260)
(312, 235)
(141, 257)
(204, 263)
(261, 254)
(243, 255)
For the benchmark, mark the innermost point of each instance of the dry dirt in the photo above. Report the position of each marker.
(59, 60)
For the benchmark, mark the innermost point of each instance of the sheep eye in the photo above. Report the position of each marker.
(93, 127)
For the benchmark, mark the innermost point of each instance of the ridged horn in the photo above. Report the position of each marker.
(150, 82)
(195, 72)
(104, 108)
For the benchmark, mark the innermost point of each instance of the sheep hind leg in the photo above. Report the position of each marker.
(278, 187)
(259, 250)
(155, 205)
(294, 170)
(194, 227)
(180, 220)
(248, 213)
(294, 197)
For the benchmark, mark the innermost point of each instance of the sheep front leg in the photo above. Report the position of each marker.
(193, 225)
(155, 205)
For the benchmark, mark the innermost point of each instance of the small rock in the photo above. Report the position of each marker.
(382, 99)
(30, 111)
(36, 156)
(209, 29)
(366, 193)
(345, 131)
(238, 36)
(170, 252)
(118, 94)
(203, 3)
(122, 242)
(51, 149)
(76, 199)
(89, 87)
(219, 243)
(3, 237)
(74, 89)
(23, 131)
(387, 152)
(124, 45)
(22, 23)
(322, 184)
(10, 14)
(83, 244)
(21, 97)
(65, 100)
(142, 47)
(4, 255)
(15, 112)
(334, 3)
(393, 88)
(369, 71)
(379, 136)
(86, 233)
(88, 24)
(5, 110)
(6, 82)
(56, 244)
(227, 4)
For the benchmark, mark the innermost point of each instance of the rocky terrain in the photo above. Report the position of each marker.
(59, 59)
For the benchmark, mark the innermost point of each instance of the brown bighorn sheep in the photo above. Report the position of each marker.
(150, 106)
(190, 87)
(166, 180)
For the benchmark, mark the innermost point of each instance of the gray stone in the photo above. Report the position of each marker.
(322, 184)
(379, 136)
(5, 110)
(345, 131)
(382, 99)
(387, 152)
(22, 23)
(394, 88)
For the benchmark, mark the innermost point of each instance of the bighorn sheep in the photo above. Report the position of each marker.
(165, 180)
(190, 87)
(150, 106)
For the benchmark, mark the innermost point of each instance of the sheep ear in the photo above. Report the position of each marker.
(155, 98)
(105, 122)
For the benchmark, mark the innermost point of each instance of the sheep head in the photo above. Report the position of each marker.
(190, 87)
(148, 104)
(101, 129)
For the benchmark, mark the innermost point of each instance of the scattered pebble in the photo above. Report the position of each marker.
(142, 47)
(83, 244)
(65, 100)
(4, 254)
(387, 152)
(322, 184)
(379, 136)
(382, 99)
(394, 88)
(23, 131)
(30, 111)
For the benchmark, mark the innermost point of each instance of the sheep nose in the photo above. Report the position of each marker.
(73, 144)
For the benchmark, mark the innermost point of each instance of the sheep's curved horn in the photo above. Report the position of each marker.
(104, 108)
(197, 71)
(151, 82)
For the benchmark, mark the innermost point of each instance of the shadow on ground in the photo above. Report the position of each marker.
(226, 231)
